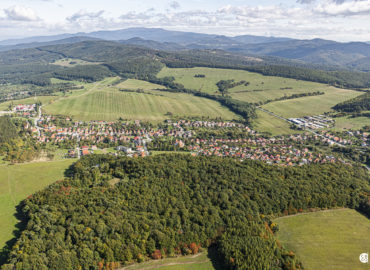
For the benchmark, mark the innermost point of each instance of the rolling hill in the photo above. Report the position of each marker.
(351, 55)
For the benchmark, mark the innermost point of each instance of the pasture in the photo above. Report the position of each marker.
(102, 101)
(345, 122)
(260, 88)
(332, 239)
(312, 105)
(19, 181)
(270, 124)
(133, 84)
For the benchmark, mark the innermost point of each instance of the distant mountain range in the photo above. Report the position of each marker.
(351, 55)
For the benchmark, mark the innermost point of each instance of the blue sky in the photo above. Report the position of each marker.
(342, 20)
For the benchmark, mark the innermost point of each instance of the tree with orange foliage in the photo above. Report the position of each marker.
(194, 248)
(156, 255)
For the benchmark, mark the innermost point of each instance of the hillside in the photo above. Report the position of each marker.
(314, 236)
(351, 55)
(102, 101)
(91, 223)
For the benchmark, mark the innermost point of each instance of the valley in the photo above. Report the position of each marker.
(174, 153)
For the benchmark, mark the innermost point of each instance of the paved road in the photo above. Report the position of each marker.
(36, 121)
(307, 129)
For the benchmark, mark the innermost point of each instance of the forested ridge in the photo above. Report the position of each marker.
(128, 61)
(174, 204)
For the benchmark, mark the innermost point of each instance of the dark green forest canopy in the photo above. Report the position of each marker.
(163, 204)
(8, 130)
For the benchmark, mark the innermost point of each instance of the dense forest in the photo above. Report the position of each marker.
(169, 205)
(355, 105)
(15, 145)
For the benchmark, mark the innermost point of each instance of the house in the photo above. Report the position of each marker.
(85, 152)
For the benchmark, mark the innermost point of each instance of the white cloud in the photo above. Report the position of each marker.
(84, 15)
(20, 13)
(343, 8)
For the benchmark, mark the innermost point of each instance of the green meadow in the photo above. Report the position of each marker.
(260, 88)
(312, 105)
(332, 239)
(102, 101)
(17, 182)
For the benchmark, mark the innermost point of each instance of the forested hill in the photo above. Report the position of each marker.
(35, 66)
(120, 210)
(358, 104)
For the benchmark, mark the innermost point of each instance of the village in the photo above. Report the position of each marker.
(140, 139)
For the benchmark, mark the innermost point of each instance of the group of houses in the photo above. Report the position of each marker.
(313, 122)
(132, 138)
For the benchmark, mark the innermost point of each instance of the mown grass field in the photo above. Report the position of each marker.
(313, 105)
(194, 262)
(275, 126)
(261, 88)
(328, 239)
(102, 101)
(342, 123)
(19, 181)
(133, 84)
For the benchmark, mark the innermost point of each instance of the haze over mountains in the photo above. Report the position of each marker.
(352, 55)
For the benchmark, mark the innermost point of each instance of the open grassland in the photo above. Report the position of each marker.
(313, 105)
(19, 181)
(327, 240)
(275, 126)
(194, 262)
(43, 99)
(102, 101)
(71, 62)
(260, 88)
(342, 123)
(133, 84)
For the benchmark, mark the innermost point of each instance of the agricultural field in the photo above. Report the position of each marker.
(270, 124)
(102, 101)
(19, 181)
(260, 88)
(312, 105)
(343, 123)
(332, 239)
(132, 84)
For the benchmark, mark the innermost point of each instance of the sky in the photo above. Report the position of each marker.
(341, 20)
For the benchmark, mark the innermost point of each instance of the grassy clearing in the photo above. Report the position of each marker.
(342, 123)
(194, 262)
(43, 99)
(328, 239)
(311, 105)
(71, 62)
(101, 101)
(261, 88)
(133, 84)
(268, 123)
(19, 181)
